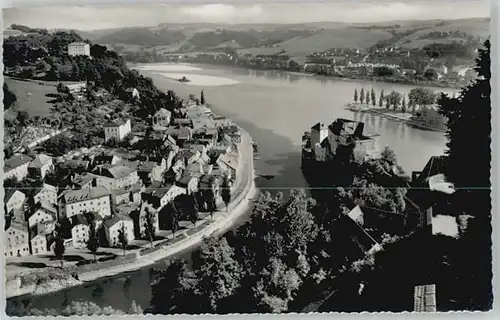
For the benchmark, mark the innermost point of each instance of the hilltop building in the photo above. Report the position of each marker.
(341, 137)
(117, 130)
(79, 49)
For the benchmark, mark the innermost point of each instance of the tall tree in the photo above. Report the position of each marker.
(93, 241)
(362, 95)
(226, 192)
(367, 98)
(374, 98)
(469, 164)
(403, 105)
(381, 100)
(149, 226)
(122, 238)
(193, 207)
(202, 98)
(355, 95)
(59, 247)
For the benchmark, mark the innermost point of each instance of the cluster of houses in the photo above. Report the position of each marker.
(115, 189)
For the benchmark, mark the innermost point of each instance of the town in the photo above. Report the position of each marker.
(142, 187)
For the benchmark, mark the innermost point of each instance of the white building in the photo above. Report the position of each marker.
(44, 213)
(80, 231)
(41, 165)
(85, 200)
(14, 199)
(46, 193)
(17, 240)
(117, 130)
(39, 244)
(113, 226)
(162, 118)
(79, 49)
(16, 167)
(158, 196)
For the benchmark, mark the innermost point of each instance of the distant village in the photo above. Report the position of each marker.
(114, 189)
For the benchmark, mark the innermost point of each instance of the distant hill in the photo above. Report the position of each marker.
(297, 39)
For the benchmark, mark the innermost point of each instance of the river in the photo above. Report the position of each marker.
(275, 108)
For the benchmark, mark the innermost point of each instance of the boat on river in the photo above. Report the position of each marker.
(184, 79)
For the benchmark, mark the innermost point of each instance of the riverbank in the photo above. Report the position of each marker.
(389, 80)
(399, 117)
(243, 192)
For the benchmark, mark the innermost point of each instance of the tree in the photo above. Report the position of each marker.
(367, 97)
(59, 247)
(355, 95)
(431, 74)
(193, 208)
(403, 105)
(202, 98)
(9, 97)
(93, 241)
(388, 155)
(381, 99)
(22, 117)
(374, 97)
(135, 308)
(394, 99)
(421, 96)
(362, 95)
(219, 273)
(122, 238)
(226, 192)
(149, 226)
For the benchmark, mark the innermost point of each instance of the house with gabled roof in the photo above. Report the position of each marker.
(370, 218)
(38, 242)
(158, 194)
(14, 199)
(73, 202)
(80, 230)
(189, 181)
(16, 167)
(45, 193)
(114, 224)
(16, 239)
(228, 163)
(41, 165)
(162, 118)
(43, 213)
(117, 129)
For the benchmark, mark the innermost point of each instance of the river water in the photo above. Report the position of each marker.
(275, 108)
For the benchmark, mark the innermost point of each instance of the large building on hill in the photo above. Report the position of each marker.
(79, 49)
(117, 130)
(343, 136)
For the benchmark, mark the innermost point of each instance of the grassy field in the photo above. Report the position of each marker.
(31, 96)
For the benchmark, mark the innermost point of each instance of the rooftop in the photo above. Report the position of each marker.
(158, 190)
(120, 171)
(85, 194)
(163, 112)
(10, 192)
(77, 44)
(16, 161)
(115, 219)
(40, 160)
(116, 123)
(78, 219)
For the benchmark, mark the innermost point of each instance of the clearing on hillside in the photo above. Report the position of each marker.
(31, 96)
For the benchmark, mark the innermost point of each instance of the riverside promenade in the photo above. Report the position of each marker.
(242, 195)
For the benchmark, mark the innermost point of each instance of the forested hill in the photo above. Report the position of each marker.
(43, 56)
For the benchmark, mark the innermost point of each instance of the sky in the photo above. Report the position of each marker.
(232, 12)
